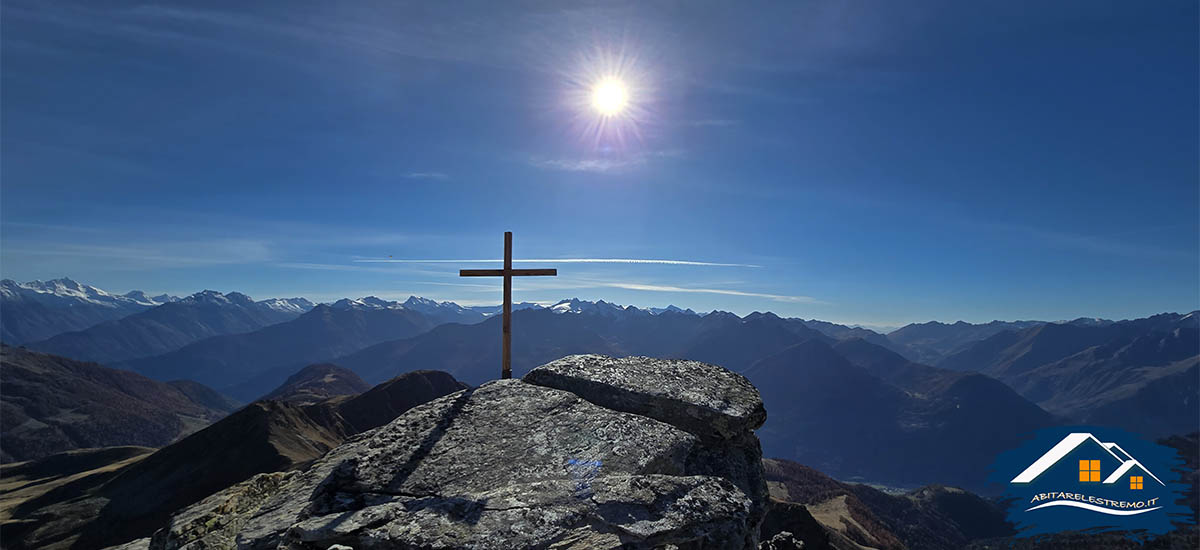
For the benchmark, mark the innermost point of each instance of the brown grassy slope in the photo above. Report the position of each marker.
(859, 516)
(264, 436)
(50, 404)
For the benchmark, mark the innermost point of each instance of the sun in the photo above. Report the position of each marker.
(610, 96)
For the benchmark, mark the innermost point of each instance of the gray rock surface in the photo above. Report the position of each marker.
(703, 399)
(216, 521)
(514, 464)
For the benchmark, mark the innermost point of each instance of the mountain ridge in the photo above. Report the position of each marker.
(40, 309)
(170, 326)
(321, 334)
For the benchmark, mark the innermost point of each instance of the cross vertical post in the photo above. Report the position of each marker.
(506, 353)
(506, 310)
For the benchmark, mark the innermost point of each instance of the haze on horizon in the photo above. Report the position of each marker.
(864, 163)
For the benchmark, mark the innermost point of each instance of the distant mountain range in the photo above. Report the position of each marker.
(40, 309)
(857, 398)
(923, 380)
(930, 342)
(172, 325)
(1140, 375)
(472, 352)
(248, 365)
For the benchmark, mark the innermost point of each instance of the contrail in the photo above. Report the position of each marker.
(665, 288)
(564, 261)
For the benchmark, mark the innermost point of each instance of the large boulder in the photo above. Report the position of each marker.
(703, 399)
(521, 464)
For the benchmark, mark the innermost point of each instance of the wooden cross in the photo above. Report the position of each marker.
(508, 273)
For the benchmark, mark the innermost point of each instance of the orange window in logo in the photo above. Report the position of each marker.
(1089, 471)
(1135, 482)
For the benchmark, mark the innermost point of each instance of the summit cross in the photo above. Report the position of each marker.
(508, 273)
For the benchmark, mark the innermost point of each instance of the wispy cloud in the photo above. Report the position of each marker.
(490, 288)
(604, 165)
(722, 291)
(147, 255)
(601, 166)
(427, 176)
(563, 261)
(333, 267)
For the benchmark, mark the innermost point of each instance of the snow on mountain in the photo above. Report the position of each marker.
(488, 311)
(64, 292)
(368, 302)
(140, 297)
(9, 289)
(214, 298)
(288, 305)
(440, 312)
(40, 309)
(600, 307)
(167, 327)
(418, 303)
(293, 306)
(1086, 322)
(446, 312)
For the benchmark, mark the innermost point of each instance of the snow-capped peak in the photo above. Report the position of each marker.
(419, 301)
(564, 307)
(600, 307)
(288, 305)
(64, 292)
(66, 287)
(425, 305)
(140, 297)
(380, 303)
(367, 302)
(210, 297)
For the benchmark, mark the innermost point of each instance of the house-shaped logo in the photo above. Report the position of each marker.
(1091, 478)
(1098, 462)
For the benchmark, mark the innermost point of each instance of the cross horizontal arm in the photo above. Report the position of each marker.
(481, 273)
(503, 272)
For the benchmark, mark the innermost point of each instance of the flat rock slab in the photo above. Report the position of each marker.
(513, 464)
(703, 399)
(508, 432)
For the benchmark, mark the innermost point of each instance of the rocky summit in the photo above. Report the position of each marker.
(584, 452)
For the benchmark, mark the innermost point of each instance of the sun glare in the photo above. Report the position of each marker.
(609, 97)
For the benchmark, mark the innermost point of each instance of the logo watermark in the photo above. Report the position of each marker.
(1089, 478)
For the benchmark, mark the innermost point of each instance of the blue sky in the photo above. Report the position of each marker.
(874, 163)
